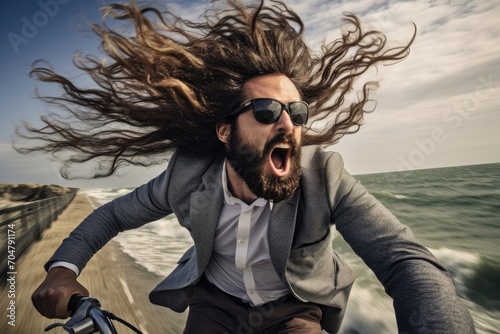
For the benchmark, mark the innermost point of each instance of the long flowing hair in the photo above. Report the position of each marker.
(166, 85)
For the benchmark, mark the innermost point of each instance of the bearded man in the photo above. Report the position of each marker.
(236, 98)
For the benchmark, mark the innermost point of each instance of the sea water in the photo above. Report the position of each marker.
(454, 211)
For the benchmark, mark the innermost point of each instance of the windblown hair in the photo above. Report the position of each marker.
(168, 85)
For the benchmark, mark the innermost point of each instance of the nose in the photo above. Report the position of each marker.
(284, 123)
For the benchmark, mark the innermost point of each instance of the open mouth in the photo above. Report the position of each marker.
(279, 158)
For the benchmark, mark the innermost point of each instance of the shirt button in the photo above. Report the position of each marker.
(241, 241)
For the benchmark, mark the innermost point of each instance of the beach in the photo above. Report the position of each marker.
(121, 285)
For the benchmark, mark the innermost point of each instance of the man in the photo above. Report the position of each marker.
(258, 199)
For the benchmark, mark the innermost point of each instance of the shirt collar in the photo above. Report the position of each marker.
(231, 200)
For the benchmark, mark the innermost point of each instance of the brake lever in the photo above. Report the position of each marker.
(101, 322)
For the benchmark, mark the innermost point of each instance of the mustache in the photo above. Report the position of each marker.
(281, 138)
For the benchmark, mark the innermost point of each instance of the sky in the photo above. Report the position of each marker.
(439, 107)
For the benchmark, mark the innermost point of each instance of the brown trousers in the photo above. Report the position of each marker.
(213, 311)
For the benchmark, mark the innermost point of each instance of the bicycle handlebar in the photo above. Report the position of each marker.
(87, 317)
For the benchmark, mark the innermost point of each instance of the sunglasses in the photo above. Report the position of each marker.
(268, 111)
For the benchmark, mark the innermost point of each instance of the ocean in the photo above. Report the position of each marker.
(453, 211)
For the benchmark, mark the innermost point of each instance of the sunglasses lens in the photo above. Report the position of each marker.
(266, 111)
(299, 112)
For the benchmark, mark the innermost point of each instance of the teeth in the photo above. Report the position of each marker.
(282, 145)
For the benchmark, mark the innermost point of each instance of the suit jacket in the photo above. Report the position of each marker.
(300, 240)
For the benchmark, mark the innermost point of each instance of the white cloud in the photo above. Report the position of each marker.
(457, 49)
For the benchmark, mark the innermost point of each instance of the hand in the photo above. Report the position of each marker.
(52, 296)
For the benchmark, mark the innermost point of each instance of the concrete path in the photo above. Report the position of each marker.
(121, 285)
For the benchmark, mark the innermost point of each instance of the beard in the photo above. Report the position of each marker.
(250, 164)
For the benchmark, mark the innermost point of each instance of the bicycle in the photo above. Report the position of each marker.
(88, 317)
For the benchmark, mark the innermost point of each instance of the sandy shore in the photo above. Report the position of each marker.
(121, 285)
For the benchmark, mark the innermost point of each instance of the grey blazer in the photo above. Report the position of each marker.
(301, 249)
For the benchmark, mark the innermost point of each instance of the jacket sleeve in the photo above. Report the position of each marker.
(423, 293)
(145, 204)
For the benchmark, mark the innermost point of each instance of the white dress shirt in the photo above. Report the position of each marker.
(240, 264)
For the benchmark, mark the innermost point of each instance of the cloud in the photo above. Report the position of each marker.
(441, 85)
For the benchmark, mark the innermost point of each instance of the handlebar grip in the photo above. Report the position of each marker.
(75, 302)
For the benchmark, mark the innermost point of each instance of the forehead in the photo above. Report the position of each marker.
(275, 86)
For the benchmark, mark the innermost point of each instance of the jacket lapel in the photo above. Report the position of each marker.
(281, 231)
(204, 213)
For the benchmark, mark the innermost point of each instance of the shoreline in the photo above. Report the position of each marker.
(112, 276)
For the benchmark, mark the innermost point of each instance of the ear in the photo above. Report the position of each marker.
(223, 131)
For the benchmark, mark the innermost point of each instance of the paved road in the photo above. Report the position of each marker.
(121, 285)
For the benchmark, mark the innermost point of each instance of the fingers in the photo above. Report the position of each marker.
(45, 299)
(52, 296)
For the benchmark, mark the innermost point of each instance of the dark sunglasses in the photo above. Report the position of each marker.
(268, 111)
